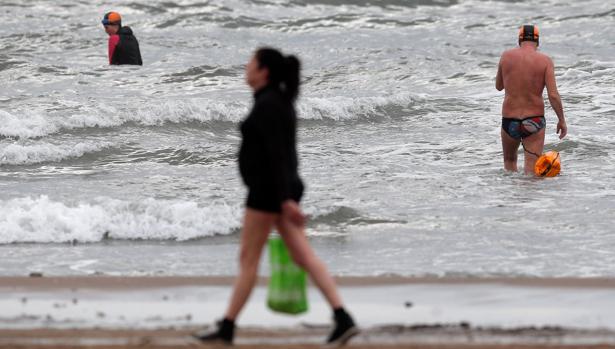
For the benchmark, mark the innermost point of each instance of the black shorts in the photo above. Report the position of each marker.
(262, 199)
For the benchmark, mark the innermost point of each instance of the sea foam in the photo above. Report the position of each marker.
(26, 154)
(43, 220)
(40, 123)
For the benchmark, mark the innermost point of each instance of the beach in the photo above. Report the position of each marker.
(263, 338)
(121, 203)
(132, 171)
(396, 312)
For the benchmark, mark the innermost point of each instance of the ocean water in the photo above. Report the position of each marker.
(131, 170)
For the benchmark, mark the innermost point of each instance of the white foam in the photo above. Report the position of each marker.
(338, 108)
(25, 154)
(27, 125)
(43, 220)
(39, 123)
(348, 108)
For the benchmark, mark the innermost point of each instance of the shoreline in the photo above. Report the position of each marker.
(446, 337)
(144, 282)
(105, 312)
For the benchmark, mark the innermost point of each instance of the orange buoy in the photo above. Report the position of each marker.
(548, 164)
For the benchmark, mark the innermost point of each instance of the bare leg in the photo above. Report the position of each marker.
(303, 254)
(256, 228)
(509, 147)
(534, 143)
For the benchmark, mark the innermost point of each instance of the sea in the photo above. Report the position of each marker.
(129, 170)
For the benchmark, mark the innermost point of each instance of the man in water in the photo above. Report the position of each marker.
(524, 72)
(123, 45)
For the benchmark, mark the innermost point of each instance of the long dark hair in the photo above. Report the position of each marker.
(283, 70)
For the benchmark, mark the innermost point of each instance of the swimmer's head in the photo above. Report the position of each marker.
(112, 18)
(529, 33)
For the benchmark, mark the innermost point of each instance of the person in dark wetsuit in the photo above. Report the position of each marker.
(123, 45)
(268, 166)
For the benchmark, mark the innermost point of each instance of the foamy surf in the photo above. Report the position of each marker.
(40, 152)
(44, 220)
(399, 137)
(41, 123)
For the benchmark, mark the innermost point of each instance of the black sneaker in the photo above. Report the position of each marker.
(343, 331)
(223, 334)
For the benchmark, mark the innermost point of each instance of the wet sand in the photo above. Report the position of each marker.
(113, 282)
(142, 312)
(445, 337)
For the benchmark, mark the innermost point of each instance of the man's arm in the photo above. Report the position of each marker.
(499, 80)
(554, 99)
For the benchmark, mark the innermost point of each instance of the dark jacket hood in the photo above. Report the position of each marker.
(125, 31)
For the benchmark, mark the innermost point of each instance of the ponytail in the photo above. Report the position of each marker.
(291, 81)
(284, 72)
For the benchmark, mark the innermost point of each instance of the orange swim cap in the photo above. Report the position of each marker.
(529, 33)
(111, 18)
(548, 164)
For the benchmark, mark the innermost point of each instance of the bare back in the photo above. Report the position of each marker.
(522, 72)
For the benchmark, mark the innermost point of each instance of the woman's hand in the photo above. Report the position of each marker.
(292, 212)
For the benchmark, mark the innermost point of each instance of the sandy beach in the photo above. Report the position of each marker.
(395, 312)
(446, 338)
(122, 203)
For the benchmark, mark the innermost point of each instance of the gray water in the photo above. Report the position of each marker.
(131, 170)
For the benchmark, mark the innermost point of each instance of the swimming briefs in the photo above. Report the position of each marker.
(523, 128)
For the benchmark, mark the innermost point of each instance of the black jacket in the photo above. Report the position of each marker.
(127, 50)
(268, 154)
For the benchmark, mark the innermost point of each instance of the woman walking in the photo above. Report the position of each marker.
(268, 165)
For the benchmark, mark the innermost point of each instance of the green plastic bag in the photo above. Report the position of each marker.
(287, 291)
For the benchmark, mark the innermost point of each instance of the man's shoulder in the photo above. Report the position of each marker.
(509, 56)
(543, 55)
(510, 51)
(518, 52)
